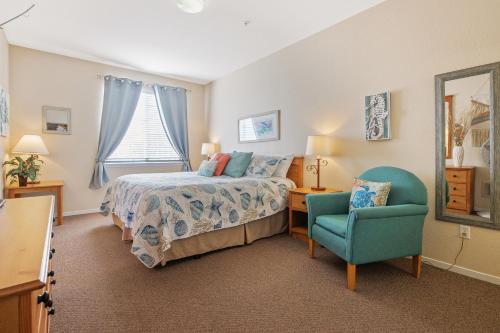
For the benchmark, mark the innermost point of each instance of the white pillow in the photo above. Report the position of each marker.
(262, 166)
(283, 166)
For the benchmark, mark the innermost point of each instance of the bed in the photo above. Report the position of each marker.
(177, 215)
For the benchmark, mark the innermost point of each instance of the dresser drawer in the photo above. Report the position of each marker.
(457, 189)
(298, 202)
(457, 202)
(456, 176)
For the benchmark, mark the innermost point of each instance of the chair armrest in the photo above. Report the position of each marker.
(382, 233)
(390, 211)
(326, 204)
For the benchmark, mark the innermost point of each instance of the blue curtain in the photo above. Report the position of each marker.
(172, 104)
(120, 100)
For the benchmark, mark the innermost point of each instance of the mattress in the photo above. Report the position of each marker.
(161, 208)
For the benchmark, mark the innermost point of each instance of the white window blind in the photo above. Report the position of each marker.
(247, 130)
(145, 140)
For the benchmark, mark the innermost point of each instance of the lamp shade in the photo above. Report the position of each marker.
(319, 145)
(30, 144)
(208, 148)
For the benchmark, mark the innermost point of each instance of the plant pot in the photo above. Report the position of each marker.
(23, 181)
(458, 156)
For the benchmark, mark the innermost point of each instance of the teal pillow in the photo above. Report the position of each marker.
(238, 164)
(207, 168)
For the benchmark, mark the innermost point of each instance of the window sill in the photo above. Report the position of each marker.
(141, 164)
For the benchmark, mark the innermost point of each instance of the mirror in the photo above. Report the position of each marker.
(467, 130)
(56, 120)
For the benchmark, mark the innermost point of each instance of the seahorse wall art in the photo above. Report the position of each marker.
(378, 116)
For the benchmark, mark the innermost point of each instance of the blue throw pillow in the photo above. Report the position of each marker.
(207, 168)
(368, 194)
(238, 164)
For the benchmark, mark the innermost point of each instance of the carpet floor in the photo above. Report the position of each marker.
(271, 285)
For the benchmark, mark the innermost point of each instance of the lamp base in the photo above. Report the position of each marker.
(314, 188)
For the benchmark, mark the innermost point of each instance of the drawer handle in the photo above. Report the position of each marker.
(52, 234)
(53, 282)
(51, 273)
(454, 189)
(303, 202)
(52, 312)
(53, 250)
(43, 298)
(50, 255)
(454, 200)
(49, 303)
(454, 176)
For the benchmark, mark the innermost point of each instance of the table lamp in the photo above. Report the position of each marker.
(318, 145)
(30, 145)
(208, 149)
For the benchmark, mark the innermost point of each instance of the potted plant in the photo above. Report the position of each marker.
(23, 169)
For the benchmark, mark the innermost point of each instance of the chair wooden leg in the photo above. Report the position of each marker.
(417, 266)
(310, 248)
(351, 276)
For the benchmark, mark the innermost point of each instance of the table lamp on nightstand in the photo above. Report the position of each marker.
(208, 149)
(318, 145)
(29, 145)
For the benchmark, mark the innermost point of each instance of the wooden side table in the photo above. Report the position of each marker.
(45, 186)
(297, 208)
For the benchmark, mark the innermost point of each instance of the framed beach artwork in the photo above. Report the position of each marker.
(260, 127)
(4, 112)
(378, 116)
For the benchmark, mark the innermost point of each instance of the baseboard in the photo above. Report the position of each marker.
(463, 271)
(81, 212)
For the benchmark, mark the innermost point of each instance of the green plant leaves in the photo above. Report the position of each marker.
(28, 169)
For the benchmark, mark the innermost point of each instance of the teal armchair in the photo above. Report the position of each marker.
(372, 234)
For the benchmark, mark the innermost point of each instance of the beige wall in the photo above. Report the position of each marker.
(320, 82)
(4, 82)
(39, 78)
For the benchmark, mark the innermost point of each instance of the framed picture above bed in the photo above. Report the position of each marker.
(259, 127)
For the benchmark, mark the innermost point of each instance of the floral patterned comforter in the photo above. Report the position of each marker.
(163, 207)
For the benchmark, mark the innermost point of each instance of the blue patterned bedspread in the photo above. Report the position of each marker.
(163, 207)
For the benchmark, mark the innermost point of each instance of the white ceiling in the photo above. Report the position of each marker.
(155, 36)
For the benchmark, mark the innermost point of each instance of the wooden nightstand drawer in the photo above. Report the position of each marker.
(456, 176)
(457, 189)
(457, 202)
(298, 202)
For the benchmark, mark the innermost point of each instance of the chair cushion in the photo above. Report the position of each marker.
(334, 223)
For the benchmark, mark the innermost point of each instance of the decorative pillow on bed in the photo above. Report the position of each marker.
(222, 159)
(262, 166)
(368, 194)
(238, 164)
(207, 168)
(283, 166)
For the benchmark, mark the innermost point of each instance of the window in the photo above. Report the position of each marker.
(145, 140)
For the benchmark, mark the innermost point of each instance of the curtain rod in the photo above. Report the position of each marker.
(148, 85)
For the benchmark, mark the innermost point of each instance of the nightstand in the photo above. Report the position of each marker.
(297, 210)
(45, 186)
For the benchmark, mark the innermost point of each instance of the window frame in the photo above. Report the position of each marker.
(145, 163)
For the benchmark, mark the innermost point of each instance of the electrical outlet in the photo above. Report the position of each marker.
(464, 231)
